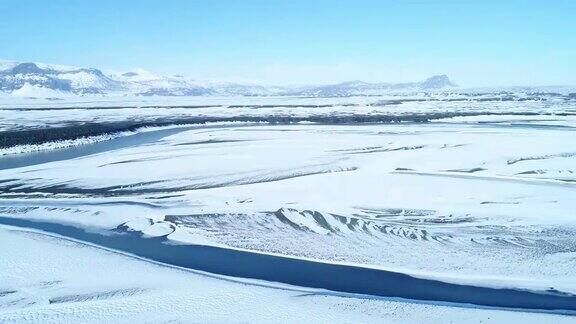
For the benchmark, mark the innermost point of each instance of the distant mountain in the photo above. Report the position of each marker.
(437, 82)
(65, 79)
(29, 78)
(364, 88)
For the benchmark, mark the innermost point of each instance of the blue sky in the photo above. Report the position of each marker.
(477, 43)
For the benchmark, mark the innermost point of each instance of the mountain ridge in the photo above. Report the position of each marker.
(15, 76)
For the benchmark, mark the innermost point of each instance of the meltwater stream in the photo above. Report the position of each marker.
(334, 277)
(34, 158)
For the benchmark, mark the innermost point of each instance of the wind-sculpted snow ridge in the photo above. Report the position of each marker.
(170, 185)
(280, 231)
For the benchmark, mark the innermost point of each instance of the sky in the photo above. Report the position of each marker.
(476, 43)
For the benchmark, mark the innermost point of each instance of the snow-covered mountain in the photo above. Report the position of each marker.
(16, 76)
(364, 88)
(30, 79)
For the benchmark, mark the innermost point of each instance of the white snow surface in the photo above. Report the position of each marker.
(32, 91)
(490, 201)
(486, 199)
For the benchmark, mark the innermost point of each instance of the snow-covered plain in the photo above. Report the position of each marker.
(482, 193)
